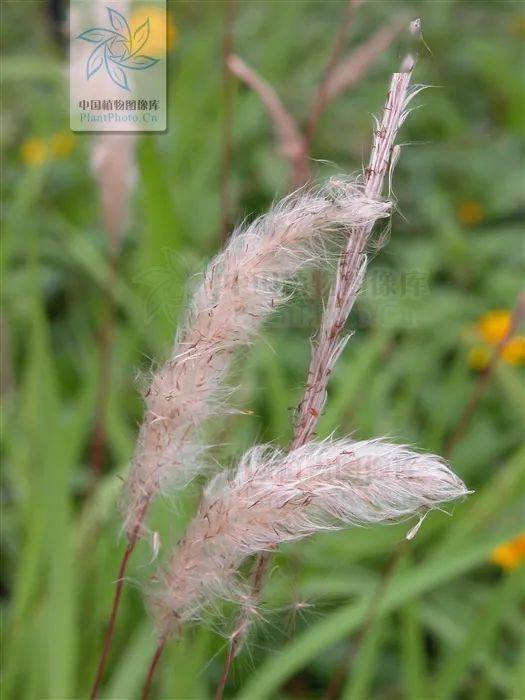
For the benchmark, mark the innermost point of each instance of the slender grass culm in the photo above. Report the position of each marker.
(272, 497)
(242, 286)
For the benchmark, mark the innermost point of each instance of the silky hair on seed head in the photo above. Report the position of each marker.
(274, 497)
(240, 288)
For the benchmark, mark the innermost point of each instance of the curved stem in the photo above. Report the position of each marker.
(335, 686)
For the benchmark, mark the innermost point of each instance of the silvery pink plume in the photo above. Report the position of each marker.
(112, 156)
(331, 340)
(274, 497)
(114, 169)
(241, 287)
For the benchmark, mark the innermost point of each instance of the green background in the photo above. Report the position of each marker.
(451, 623)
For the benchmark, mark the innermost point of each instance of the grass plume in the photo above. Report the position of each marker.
(242, 286)
(274, 497)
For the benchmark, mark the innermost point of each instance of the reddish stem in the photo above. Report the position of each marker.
(116, 601)
(112, 618)
(151, 671)
(259, 572)
(226, 671)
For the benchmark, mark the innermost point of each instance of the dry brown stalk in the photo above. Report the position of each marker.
(113, 166)
(291, 143)
(151, 671)
(352, 68)
(294, 144)
(108, 637)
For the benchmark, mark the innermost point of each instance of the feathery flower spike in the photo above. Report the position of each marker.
(274, 497)
(347, 283)
(352, 267)
(241, 287)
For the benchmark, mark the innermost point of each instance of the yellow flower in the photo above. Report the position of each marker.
(513, 352)
(37, 151)
(470, 213)
(511, 554)
(62, 144)
(494, 326)
(162, 30)
(479, 357)
(34, 151)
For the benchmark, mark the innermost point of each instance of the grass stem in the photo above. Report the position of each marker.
(108, 638)
(151, 671)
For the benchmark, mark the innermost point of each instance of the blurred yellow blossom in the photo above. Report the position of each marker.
(470, 213)
(511, 554)
(494, 326)
(62, 144)
(479, 357)
(492, 329)
(34, 151)
(514, 351)
(163, 32)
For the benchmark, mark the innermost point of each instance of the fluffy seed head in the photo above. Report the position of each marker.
(240, 288)
(273, 498)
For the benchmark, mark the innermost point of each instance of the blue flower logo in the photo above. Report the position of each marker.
(117, 49)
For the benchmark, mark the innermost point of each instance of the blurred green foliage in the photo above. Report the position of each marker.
(451, 623)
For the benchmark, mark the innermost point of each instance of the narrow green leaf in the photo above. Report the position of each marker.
(432, 573)
(413, 652)
(364, 666)
(478, 637)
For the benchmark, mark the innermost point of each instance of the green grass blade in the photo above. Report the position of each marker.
(434, 572)
(479, 635)
(364, 666)
(413, 652)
